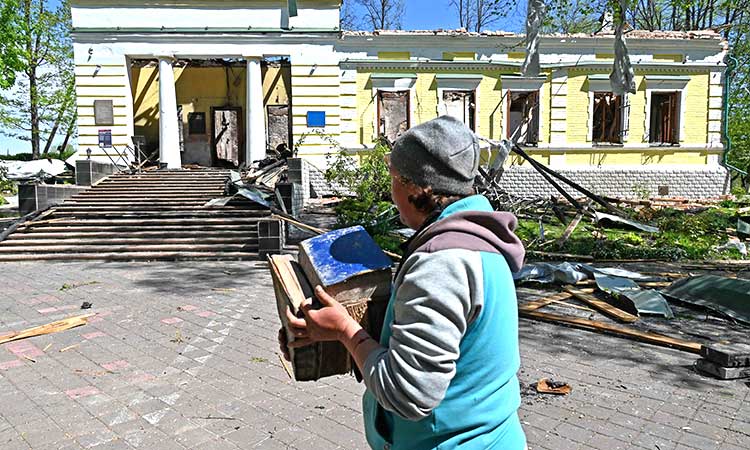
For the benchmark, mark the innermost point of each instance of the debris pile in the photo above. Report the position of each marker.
(579, 224)
(624, 297)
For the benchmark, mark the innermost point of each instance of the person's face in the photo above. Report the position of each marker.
(400, 192)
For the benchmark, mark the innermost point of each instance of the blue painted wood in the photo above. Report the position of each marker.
(341, 254)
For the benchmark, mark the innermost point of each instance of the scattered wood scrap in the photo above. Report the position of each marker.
(616, 330)
(601, 306)
(53, 327)
(549, 386)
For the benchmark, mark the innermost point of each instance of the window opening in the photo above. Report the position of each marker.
(462, 106)
(609, 114)
(393, 113)
(523, 117)
(664, 118)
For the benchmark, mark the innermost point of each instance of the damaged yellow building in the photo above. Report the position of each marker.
(219, 83)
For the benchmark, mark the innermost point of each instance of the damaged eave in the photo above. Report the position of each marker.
(352, 63)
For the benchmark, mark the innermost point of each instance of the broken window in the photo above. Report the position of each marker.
(462, 106)
(608, 118)
(393, 113)
(523, 117)
(665, 109)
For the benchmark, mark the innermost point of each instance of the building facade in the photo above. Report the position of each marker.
(219, 82)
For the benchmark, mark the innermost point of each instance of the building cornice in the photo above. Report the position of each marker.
(376, 64)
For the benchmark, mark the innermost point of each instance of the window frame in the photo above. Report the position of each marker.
(666, 84)
(387, 83)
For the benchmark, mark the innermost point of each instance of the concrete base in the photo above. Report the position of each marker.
(270, 237)
(89, 172)
(32, 197)
(634, 183)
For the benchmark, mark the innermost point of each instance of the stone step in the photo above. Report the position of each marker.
(132, 256)
(198, 214)
(182, 229)
(175, 233)
(193, 248)
(151, 221)
(103, 208)
(130, 241)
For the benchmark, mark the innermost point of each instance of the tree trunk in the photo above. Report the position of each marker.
(68, 133)
(53, 132)
(31, 73)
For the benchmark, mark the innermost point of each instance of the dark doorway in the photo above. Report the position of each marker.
(228, 137)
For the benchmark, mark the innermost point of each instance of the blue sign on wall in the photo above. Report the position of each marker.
(316, 119)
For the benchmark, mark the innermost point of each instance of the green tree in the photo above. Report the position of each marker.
(42, 100)
(10, 52)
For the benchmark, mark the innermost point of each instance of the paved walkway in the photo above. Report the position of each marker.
(183, 355)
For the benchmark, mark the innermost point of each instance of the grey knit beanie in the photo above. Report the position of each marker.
(442, 153)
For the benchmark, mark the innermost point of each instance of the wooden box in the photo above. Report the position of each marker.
(354, 270)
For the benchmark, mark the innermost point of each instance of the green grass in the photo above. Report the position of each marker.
(682, 235)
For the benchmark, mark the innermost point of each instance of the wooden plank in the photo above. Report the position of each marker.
(601, 306)
(542, 302)
(53, 327)
(616, 330)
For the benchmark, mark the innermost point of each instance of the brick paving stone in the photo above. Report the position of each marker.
(169, 362)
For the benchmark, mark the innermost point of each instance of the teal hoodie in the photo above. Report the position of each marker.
(446, 377)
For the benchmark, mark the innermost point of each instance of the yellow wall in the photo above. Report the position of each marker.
(425, 103)
(199, 89)
(695, 123)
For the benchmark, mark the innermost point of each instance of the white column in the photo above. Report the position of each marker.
(255, 117)
(169, 138)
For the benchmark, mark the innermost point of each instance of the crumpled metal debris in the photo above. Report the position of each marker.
(622, 77)
(566, 273)
(729, 296)
(734, 243)
(572, 273)
(645, 301)
(605, 219)
(534, 18)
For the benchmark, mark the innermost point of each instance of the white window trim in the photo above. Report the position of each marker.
(391, 85)
(519, 84)
(654, 84)
(468, 84)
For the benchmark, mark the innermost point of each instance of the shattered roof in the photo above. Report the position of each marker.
(632, 34)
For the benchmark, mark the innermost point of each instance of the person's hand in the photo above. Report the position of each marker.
(284, 344)
(329, 323)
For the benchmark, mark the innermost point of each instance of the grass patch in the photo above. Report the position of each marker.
(682, 235)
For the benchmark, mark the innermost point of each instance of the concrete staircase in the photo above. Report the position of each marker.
(156, 215)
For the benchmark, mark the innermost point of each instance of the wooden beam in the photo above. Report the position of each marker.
(542, 302)
(53, 327)
(601, 306)
(616, 330)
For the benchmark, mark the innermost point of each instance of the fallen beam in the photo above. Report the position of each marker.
(542, 302)
(53, 327)
(601, 306)
(602, 327)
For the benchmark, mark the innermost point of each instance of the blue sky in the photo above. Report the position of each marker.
(419, 15)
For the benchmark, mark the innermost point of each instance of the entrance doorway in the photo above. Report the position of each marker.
(228, 137)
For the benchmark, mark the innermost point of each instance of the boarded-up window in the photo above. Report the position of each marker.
(523, 117)
(104, 112)
(461, 105)
(608, 118)
(278, 125)
(665, 109)
(393, 113)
